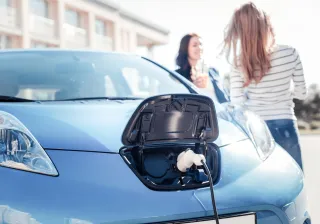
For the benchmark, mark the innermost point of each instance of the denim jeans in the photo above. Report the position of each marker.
(285, 133)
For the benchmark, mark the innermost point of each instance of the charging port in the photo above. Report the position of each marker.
(157, 168)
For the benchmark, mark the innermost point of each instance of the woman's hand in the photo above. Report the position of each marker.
(201, 81)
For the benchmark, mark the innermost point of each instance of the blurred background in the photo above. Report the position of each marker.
(153, 28)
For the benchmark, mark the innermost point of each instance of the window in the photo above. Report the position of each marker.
(73, 18)
(35, 44)
(5, 42)
(101, 27)
(40, 8)
(54, 75)
(5, 3)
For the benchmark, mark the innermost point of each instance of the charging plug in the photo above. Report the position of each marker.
(187, 158)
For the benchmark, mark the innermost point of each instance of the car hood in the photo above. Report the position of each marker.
(89, 125)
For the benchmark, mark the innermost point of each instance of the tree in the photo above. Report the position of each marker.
(309, 109)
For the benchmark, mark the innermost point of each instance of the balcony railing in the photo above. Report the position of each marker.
(75, 37)
(8, 17)
(103, 42)
(42, 26)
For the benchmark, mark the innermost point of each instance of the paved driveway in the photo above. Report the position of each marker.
(311, 159)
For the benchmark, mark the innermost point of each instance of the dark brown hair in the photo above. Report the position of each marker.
(182, 58)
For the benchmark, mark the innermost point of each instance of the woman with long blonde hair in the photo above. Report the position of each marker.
(262, 75)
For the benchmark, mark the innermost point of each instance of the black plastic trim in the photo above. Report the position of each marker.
(172, 118)
(215, 176)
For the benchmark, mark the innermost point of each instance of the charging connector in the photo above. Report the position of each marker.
(185, 160)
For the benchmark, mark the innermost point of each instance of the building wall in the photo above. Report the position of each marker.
(73, 24)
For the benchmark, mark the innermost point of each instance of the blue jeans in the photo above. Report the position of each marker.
(285, 133)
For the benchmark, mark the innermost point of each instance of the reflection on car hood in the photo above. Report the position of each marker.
(89, 125)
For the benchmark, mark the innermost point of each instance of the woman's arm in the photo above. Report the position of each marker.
(300, 87)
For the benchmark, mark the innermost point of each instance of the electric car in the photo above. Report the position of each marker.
(97, 137)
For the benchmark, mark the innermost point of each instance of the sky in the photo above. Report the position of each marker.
(296, 23)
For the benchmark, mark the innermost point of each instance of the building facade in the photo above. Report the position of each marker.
(95, 24)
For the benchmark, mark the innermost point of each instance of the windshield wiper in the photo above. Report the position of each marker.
(14, 99)
(102, 98)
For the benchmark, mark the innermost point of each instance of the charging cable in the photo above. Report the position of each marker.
(185, 160)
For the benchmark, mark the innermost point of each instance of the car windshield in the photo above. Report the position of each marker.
(62, 75)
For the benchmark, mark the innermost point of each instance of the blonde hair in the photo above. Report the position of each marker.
(252, 28)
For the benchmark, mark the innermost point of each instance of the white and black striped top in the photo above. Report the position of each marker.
(272, 97)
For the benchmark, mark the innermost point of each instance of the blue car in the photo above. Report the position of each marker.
(95, 137)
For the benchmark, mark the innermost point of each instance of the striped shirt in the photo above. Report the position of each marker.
(272, 98)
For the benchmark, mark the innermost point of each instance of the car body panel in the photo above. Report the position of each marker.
(101, 188)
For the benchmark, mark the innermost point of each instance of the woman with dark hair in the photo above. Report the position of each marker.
(188, 59)
(266, 71)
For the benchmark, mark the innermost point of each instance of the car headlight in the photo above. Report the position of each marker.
(255, 128)
(20, 150)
